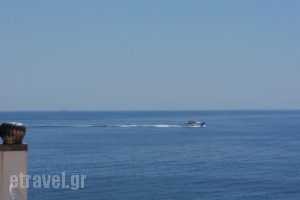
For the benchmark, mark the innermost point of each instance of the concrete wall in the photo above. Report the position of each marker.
(13, 161)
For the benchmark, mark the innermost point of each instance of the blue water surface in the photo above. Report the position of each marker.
(249, 155)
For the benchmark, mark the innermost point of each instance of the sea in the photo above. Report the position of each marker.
(149, 155)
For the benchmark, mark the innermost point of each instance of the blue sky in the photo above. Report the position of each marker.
(149, 55)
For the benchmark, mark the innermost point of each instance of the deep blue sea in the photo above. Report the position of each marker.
(247, 155)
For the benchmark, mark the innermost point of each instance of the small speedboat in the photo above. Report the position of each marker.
(194, 124)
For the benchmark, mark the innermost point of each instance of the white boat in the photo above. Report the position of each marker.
(194, 124)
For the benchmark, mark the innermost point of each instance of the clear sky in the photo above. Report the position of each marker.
(149, 55)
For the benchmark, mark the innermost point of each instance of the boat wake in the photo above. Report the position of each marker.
(108, 126)
(153, 125)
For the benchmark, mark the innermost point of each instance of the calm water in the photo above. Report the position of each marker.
(240, 155)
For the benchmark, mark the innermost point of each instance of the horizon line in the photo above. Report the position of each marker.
(155, 110)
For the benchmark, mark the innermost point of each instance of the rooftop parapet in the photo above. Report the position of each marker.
(13, 160)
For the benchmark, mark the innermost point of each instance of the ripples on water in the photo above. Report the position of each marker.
(148, 155)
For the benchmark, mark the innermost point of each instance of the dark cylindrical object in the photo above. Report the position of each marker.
(12, 132)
